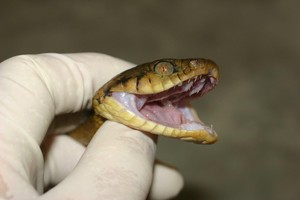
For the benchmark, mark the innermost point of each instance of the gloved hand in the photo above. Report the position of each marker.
(117, 164)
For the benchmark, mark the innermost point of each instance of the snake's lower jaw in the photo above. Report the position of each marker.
(115, 111)
(203, 138)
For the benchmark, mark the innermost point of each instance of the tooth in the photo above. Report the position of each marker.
(187, 86)
(199, 88)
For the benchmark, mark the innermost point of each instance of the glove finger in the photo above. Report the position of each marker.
(60, 161)
(62, 154)
(118, 164)
(167, 182)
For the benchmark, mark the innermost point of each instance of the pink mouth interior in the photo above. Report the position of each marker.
(166, 114)
(170, 107)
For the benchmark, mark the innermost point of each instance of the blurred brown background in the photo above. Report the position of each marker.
(255, 108)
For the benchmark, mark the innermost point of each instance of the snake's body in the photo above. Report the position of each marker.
(153, 97)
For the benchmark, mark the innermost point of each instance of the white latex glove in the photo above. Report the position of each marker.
(117, 164)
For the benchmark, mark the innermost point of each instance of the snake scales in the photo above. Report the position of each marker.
(154, 97)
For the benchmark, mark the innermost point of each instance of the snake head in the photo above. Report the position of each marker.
(154, 97)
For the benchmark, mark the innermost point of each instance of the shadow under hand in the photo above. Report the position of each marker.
(194, 193)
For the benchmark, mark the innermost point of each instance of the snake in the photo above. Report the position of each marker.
(155, 97)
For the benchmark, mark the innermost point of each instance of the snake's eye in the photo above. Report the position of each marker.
(164, 68)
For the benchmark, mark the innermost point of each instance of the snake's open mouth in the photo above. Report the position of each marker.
(171, 107)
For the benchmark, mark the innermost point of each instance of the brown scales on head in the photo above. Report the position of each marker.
(153, 97)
